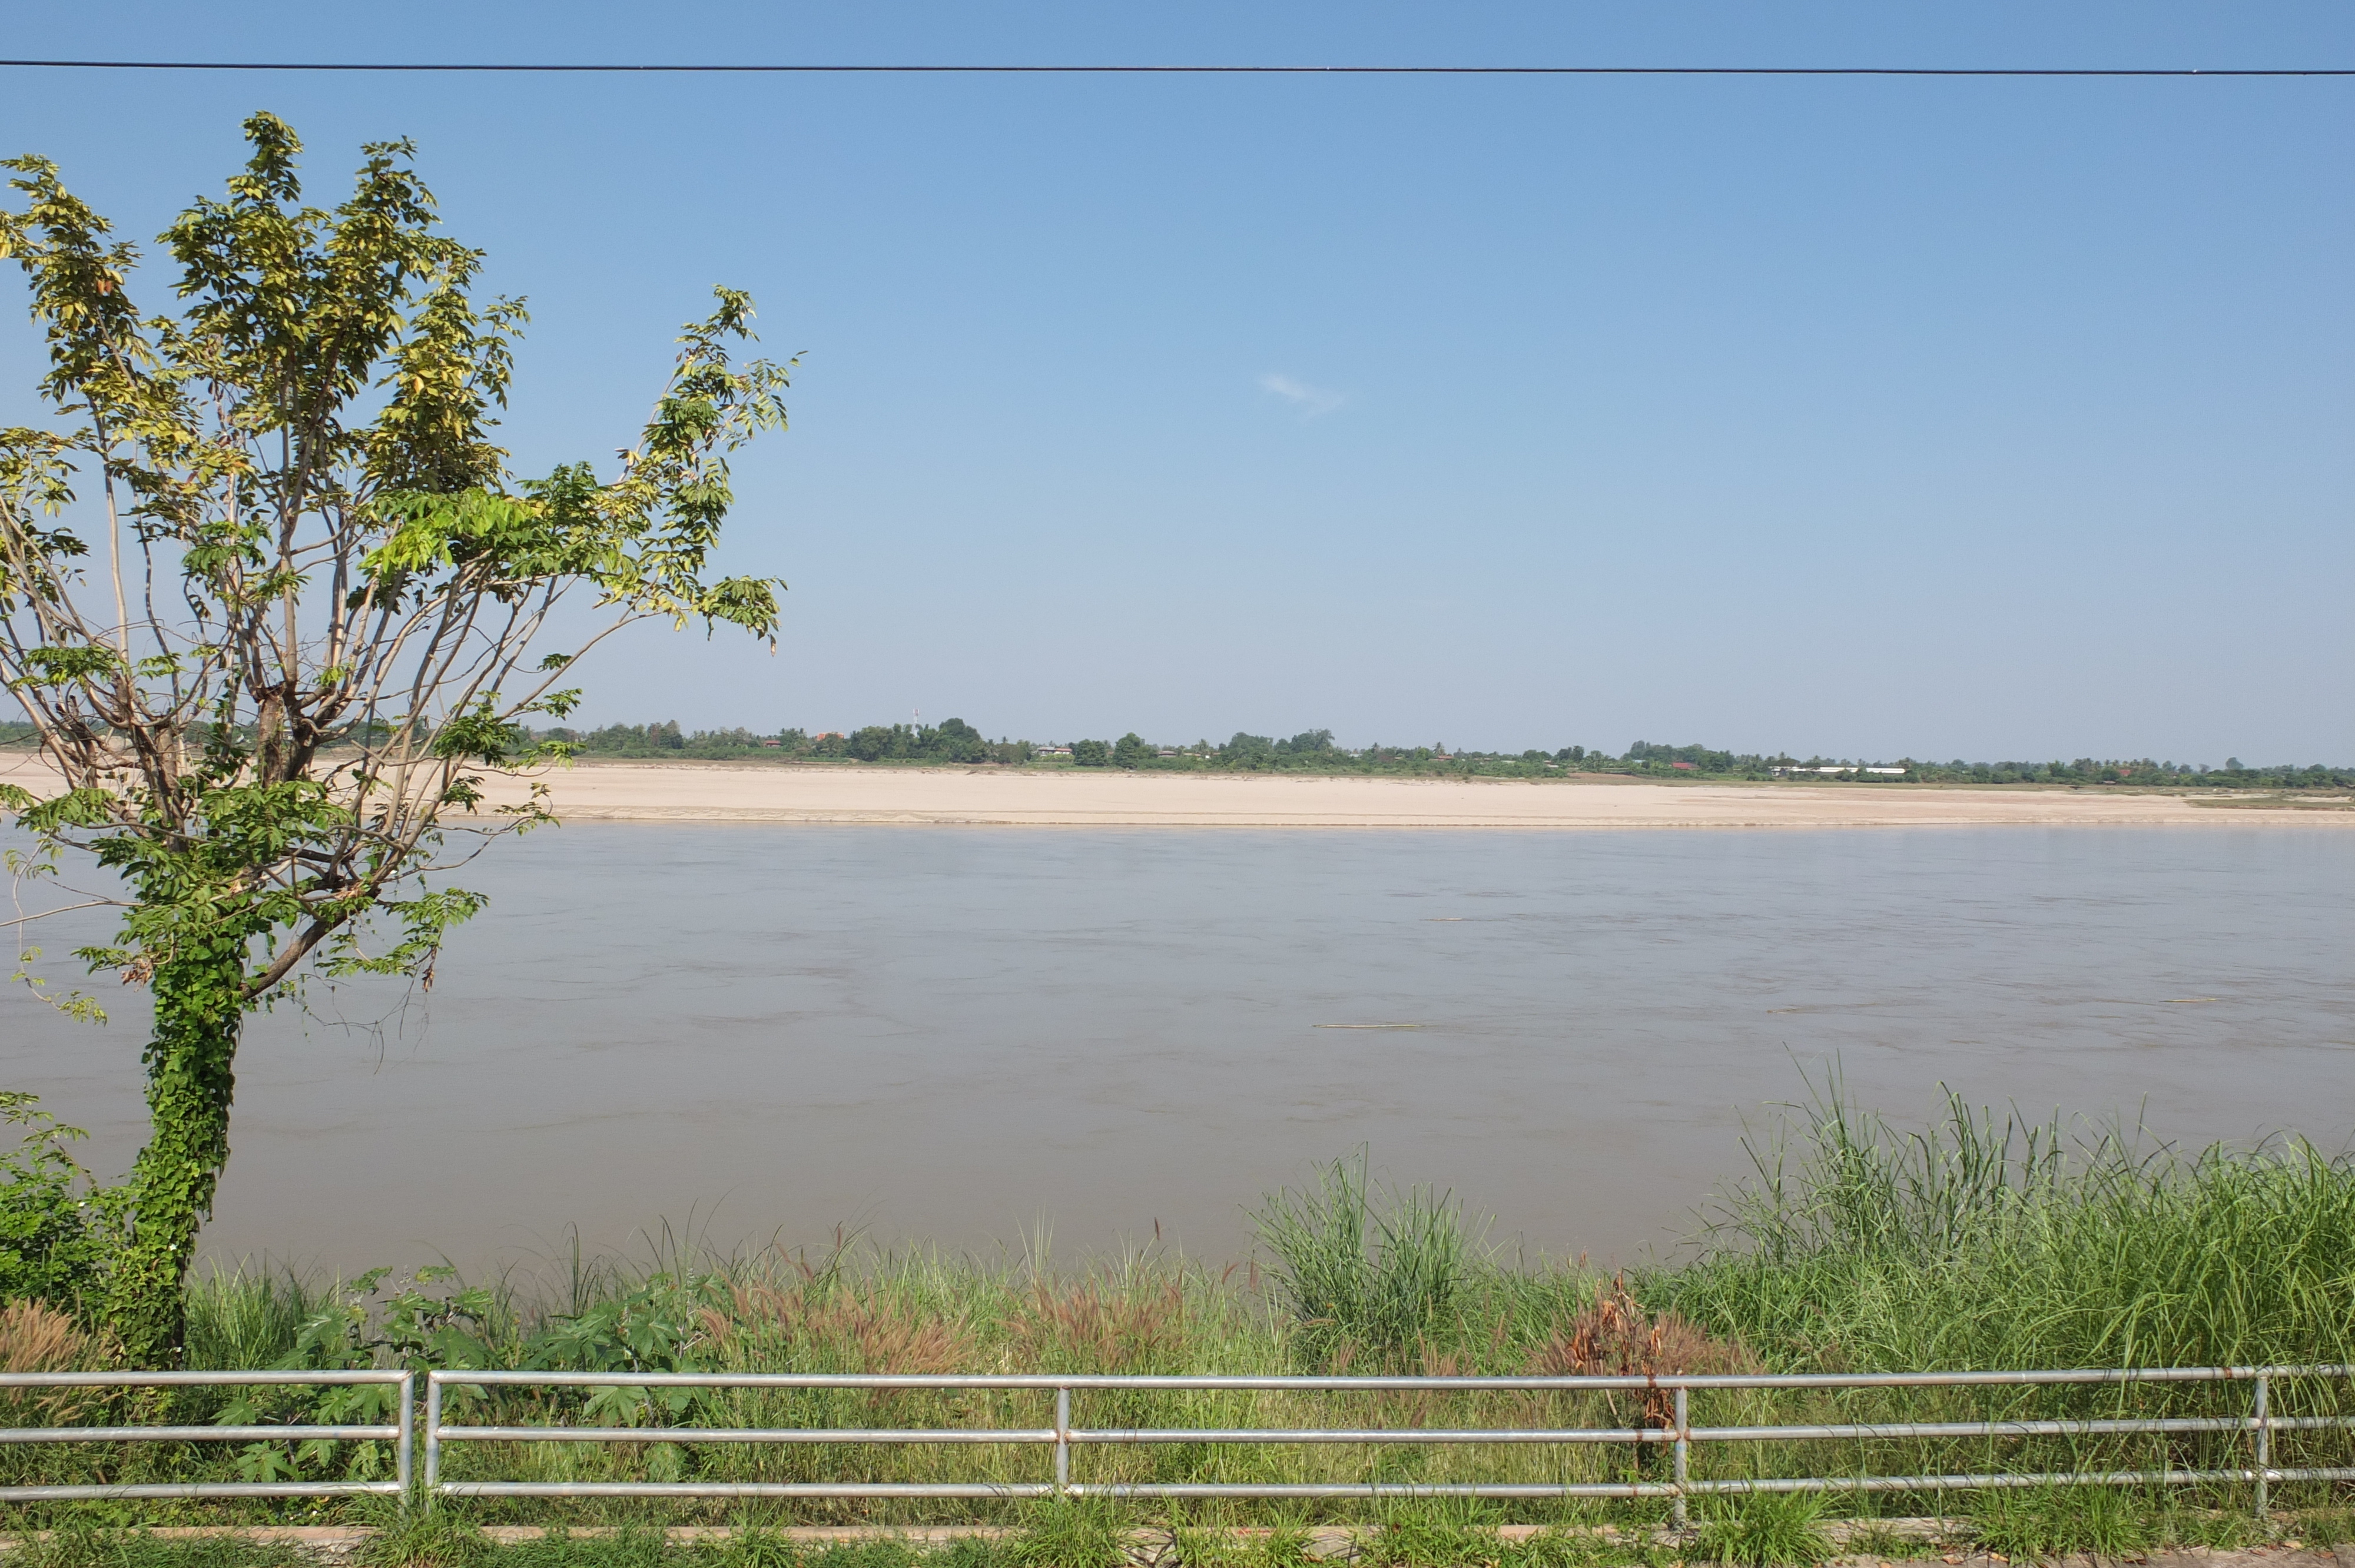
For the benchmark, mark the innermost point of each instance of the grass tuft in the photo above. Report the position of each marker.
(884, 1554)
(249, 1317)
(2056, 1521)
(1281, 1546)
(1069, 1533)
(104, 1548)
(426, 1538)
(1433, 1535)
(1766, 1529)
(1362, 1272)
(757, 1546)
(1562, 1548)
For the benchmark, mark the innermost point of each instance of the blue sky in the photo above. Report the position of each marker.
(1989, 418)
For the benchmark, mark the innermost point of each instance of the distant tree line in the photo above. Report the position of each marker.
(1645, 758)
(1314, 751)
(951, 741)
(954, 742)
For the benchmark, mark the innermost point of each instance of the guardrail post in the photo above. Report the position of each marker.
(2264, 1444)
(432, 1433)
(1064, 1441)
(1683, 1450)
(407, 1442)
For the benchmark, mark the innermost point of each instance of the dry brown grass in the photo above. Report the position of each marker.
(1097, 1327)
(1613, 1336)
(36, 1338)
(840, 1329)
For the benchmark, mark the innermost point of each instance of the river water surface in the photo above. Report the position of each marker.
(966, 1034)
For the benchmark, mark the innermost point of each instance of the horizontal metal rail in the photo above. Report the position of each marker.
(194, 1434)
(400, 1433)
(201, 1379)
(1678, 1435)
(745, 1434)
(849, 1435)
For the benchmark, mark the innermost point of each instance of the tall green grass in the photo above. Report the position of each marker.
(250, 1315)
(1987, 1242)
(1358, 1269)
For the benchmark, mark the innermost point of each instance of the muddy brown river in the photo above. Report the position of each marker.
(973, 1035)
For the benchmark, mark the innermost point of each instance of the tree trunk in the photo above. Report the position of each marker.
(200, 1005)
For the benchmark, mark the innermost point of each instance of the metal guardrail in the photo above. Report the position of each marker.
(2260, 1424)
(401, 1433)
(1678, 1436)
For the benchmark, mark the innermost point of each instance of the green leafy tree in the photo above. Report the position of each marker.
(1091, 754)
(1131, 751)
(1247, 751)
(957, 741)
(1308, 743)
(279, 611)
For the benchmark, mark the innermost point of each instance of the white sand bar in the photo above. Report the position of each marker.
(692, 791)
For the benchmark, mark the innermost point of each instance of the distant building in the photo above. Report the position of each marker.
(1840, 767)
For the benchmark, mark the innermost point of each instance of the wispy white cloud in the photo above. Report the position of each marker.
(1310, 401)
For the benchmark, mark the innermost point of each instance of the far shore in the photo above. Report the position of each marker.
(697, 791)
(995, 797)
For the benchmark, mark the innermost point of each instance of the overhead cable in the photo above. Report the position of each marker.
(523, 68)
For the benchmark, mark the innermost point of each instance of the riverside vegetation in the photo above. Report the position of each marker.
(1981, 1242)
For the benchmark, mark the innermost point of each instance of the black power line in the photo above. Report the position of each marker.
(1177, 69)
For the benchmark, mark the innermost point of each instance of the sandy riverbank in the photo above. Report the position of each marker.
(985, 797)
(988, 797)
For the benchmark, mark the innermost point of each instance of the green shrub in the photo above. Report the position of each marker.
(56, 1222)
